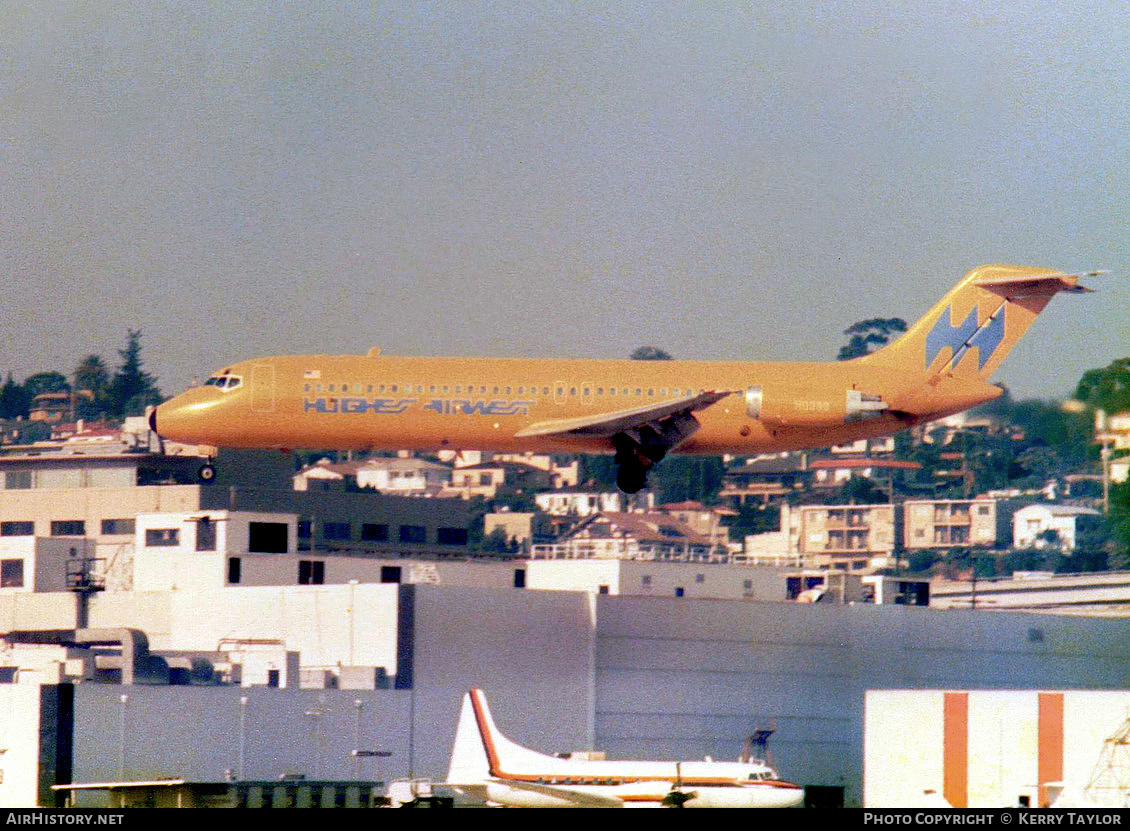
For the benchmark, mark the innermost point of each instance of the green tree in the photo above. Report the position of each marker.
(866, 336)
(599, 471)
(14, 400)
(754, 518)
(132, 389)
(91, 375)
(683, 478)
(1120, 523)
(43, 382)
(650, 353)
(1107, 388)
(860, 490)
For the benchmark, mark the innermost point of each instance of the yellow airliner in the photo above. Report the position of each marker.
(639, 410)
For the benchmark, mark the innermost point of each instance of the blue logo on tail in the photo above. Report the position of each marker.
(965, 336)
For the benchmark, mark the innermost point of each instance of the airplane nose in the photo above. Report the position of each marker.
(153, 420)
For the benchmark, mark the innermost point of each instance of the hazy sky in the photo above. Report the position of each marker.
(556, 179)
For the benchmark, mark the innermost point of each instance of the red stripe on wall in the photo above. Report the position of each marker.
(955, 749)
(1049, 765)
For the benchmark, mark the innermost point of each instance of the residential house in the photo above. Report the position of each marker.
(1052, 526)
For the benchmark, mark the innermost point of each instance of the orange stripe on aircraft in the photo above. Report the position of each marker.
(955, 751)
(1049, 765)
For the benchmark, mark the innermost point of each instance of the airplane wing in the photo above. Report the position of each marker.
(606, 425)
(582, 799)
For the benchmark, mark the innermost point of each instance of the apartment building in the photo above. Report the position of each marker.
(845, 536)
(950, 523)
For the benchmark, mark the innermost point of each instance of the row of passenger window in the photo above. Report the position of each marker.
(472, 389)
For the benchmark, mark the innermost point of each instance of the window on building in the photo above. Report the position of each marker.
(304, 529)
(17, 529)
(118, 527)
(17, 479)
(982, 510)
(311, 572)
(390, 574)
(158, 537)
(235, 570)
(679, 591)
(451, 536)
(484, 478)
(374, 532)
(336, 530)
(602, 588)
(413, 533)
(68, 528)
(266, 537)
(646, 580)
(700, 578)
(11, 574)
(519, 578)
(206, 535)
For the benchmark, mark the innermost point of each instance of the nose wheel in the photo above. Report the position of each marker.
(206, 473)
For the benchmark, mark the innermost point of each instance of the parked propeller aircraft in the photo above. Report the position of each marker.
(485, 762)
(639, 410)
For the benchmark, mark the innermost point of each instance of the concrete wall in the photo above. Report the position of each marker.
(531, 652)
(92, 505)
(659, 579)
(686, 679)
(194, 732)
(44, 561)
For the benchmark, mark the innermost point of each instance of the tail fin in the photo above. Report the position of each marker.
(481, 752)
(969, 332)
(469, 761)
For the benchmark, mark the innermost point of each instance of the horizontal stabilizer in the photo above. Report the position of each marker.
(1021, 285)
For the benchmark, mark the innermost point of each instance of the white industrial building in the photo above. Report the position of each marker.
(637, 677)
(980, 749)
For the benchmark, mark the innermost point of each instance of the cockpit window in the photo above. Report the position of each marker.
(224, 382)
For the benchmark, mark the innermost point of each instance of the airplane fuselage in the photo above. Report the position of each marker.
(382, 402)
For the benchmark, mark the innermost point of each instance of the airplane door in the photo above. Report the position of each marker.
(753, 400)
(263, 388)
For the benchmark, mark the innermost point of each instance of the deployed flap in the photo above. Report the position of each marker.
(606, 425)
